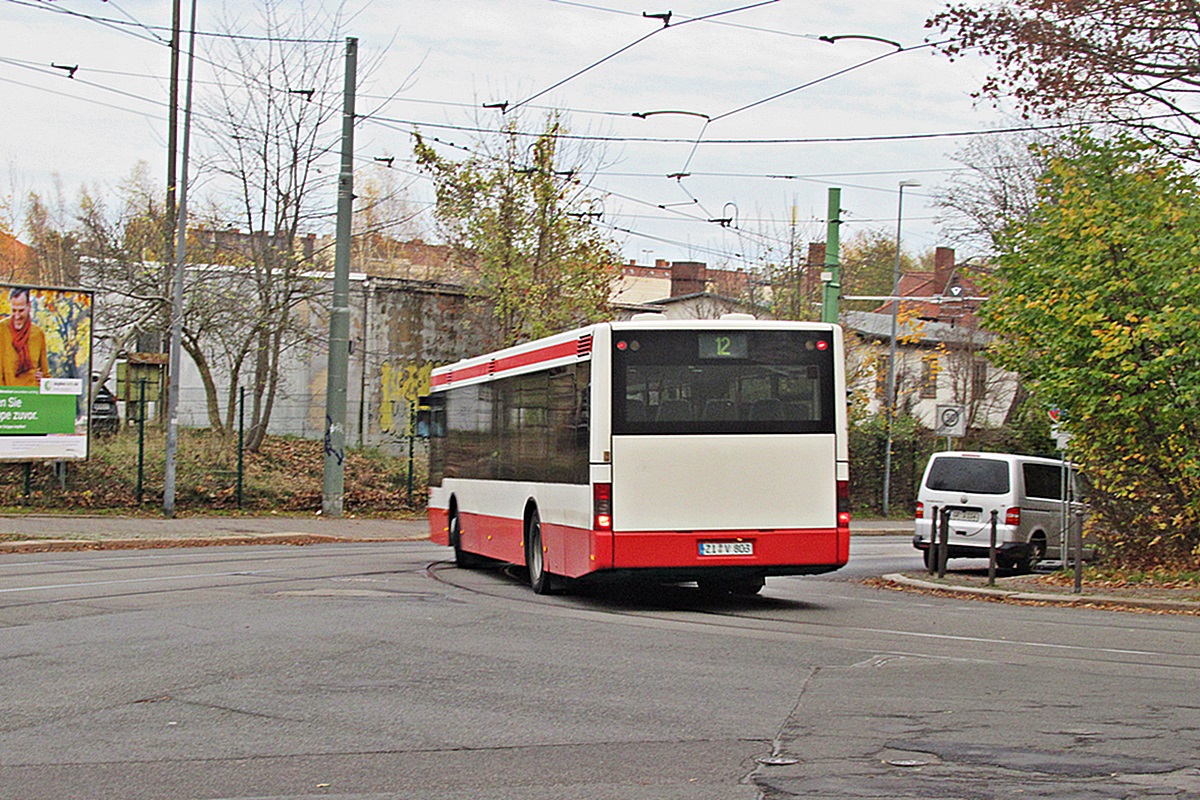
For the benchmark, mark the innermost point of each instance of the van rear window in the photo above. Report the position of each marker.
(969, 475)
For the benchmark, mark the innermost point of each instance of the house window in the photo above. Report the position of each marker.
(979, 378)
(881, 376)
(929, 374)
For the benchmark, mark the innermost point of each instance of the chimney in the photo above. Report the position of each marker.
(661, 263)
(688, 277)
(814, 265)
(943, 269)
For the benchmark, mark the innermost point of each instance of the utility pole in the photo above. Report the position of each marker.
(891, 374)
(176, 354)
(333, 492)
(172, 129)
(163, 345)
(831, 290)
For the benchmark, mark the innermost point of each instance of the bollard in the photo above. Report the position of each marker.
(944, 543)
(1078, 552)
(241, 471)
(141, 461)
(931, 560)
(992, 550)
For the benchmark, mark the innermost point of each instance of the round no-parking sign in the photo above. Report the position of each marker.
(951, 420)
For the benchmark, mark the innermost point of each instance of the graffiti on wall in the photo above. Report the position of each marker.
(402, 385)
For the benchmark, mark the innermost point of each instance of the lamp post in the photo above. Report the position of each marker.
(890, 398)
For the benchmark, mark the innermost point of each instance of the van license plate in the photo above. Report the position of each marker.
(963, 515)
(727, 548)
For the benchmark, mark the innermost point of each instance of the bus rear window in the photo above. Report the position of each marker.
(968, 475)
(720, 381)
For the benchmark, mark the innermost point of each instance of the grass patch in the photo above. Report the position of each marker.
(285, 476)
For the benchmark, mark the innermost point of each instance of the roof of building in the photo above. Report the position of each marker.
(18, 261)
(876, 325)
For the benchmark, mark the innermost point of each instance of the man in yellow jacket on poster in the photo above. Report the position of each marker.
(22, 344)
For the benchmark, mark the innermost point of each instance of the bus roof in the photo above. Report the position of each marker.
(576, 345)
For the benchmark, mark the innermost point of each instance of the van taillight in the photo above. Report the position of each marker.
(843, 504)
(920, 510)
(602, 506)
(1012, 516)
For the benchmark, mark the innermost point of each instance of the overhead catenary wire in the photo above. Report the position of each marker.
(601, 176)
(666, 26)
(849, 139)
(124, 25)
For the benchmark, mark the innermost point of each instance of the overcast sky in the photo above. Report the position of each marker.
(761, 164)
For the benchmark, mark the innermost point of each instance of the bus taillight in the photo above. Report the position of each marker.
(843, 504)
(602, 506)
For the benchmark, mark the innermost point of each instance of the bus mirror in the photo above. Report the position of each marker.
(431, 416)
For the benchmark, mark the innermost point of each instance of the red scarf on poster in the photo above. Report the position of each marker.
(20, 340)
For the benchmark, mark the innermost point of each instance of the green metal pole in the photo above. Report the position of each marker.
(412, 431)
(334, 488)
(241, 440)
(141, 440)
(831, 291)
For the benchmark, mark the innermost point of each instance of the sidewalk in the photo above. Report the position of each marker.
(1030, 590)
(47, 532)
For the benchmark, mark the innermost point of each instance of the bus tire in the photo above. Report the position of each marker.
(743, 587)
(462, 558)
(747, 587)
(535, 561)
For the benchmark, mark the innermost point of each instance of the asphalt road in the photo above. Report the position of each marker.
(377, 670)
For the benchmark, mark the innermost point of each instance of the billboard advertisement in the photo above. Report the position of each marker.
(45, 369)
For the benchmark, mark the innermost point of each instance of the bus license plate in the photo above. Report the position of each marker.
(962, 515)
(727, 548)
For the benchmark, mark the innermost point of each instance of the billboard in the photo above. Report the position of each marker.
(45, 369)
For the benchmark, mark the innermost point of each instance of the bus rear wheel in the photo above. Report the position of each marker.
(462, 558)
(743, 587)
(541, 580)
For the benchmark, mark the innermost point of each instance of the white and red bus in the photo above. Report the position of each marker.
(711, 451)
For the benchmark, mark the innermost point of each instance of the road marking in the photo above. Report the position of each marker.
(47, 587)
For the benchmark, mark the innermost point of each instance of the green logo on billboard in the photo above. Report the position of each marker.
(24, 410)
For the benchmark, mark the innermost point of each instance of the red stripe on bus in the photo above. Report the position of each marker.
(569, 349)
(554, 351)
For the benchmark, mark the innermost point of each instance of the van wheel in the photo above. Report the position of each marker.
(541, 580)
(1033, 555)
(462, 558)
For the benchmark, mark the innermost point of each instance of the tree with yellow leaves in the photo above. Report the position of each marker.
(1096, 299)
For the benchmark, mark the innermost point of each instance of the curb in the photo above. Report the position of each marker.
(1037, 597)
(294, 539)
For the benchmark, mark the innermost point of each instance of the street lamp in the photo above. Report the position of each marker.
(890, 399)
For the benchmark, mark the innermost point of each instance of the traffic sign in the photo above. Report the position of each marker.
(950, 420)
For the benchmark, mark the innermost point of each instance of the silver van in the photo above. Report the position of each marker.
(1034, 502)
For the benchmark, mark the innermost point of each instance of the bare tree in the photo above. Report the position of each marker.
(1131, 63)
(997, 185)
(120, 256)
(49, 224)
(269, 128)
(384, 222)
